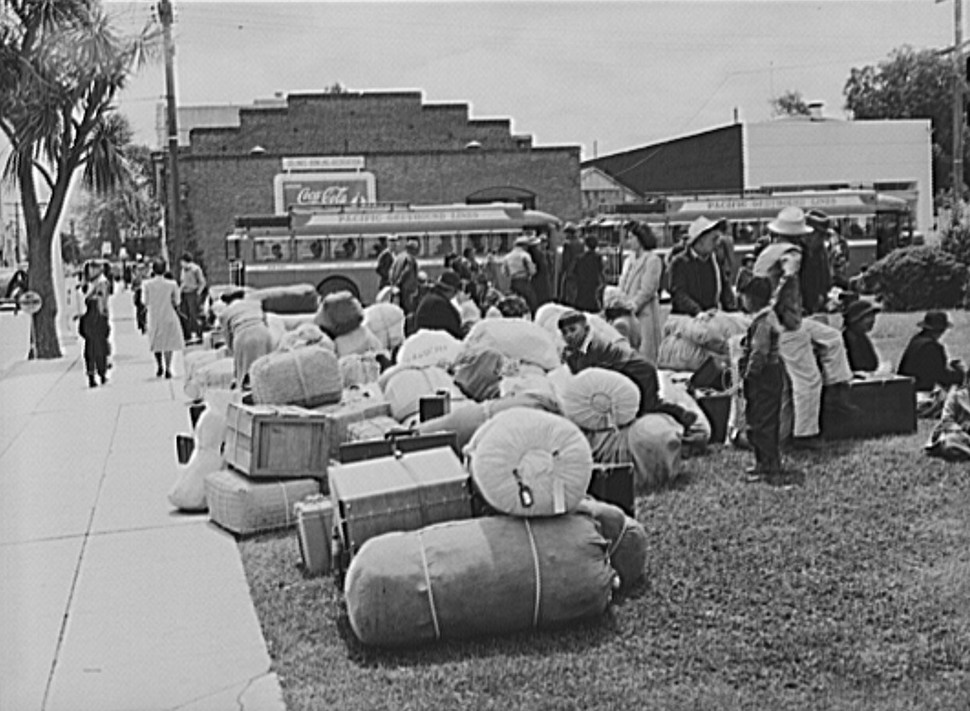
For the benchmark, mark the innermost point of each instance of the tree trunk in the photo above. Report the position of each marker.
(46, 343)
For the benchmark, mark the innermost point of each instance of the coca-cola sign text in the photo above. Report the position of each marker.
(322, 189)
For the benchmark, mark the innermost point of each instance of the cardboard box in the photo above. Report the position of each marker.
(314, 529)
(887, 404)
(402, 492)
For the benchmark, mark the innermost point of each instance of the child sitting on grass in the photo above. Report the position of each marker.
(763, 375)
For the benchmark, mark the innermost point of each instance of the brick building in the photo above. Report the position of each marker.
(409, 151)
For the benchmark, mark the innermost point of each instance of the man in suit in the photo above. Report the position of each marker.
(436, 311)
(584, 349)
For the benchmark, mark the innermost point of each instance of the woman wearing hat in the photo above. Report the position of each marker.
(925, 360)
(639, 284)
(859, 318)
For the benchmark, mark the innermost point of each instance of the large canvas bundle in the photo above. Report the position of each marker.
(429, 347)
(515, 339)
(677, 353)
(188, 492)
(193, 360)
(340, 313)
(305, 334)
(404, 388)
(689, 341)
(386, 322)
(243, 505)
(527, 462)
(626, 536)
(290, 299)
(652, 443)
(598, 399)
(359, 369)
(218, 374)
(465, 421)
(357, 342)
(308, 376)
(675, 392)
(481, 576)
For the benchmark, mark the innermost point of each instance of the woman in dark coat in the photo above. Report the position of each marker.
(588, 273)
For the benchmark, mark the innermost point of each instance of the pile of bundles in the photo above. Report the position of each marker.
(451, 491)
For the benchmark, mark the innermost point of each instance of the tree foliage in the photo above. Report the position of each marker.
(910, 84)
(61, 66)
(791, 103)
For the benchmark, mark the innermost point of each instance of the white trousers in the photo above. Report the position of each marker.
(814, 356)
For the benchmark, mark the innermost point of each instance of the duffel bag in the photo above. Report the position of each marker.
(626, 536)
(527, 462)
(188, 492)
(652, 443)
(429, 347)
(599, 399)
(386, 322)
(404, 387)
(359, 369)
(307, 376)
(291, 299)
(481, 576)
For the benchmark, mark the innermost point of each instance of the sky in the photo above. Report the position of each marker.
(608, 76)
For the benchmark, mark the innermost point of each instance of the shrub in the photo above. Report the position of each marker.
(918, 278)
(955, 239)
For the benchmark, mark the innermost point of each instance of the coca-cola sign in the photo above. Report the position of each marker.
(309, 190)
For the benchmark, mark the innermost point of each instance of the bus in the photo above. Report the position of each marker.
(336, 247)
(874, 224)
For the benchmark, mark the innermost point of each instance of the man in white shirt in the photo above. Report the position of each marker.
(520, 268)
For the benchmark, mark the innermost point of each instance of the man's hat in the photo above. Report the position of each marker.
(817, 219)
(570, 227)
(701, 226)
(858, 310)
(450, 280)
(523, 241)
(790, 223)
(935, 321)
(570, 317)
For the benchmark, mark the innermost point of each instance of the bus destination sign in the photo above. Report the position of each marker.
(726, 206)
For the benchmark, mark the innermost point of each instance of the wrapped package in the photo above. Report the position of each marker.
(218, 374)
(599, 399)
(307, 376)
(386, 322)
(515, 339)
(652, 443)
(482, 576)
(357, 342)
(340, 313)
(626, 536)
(675, 391)
(429, 348)
(359, 369)
(404, 387)
(243, 505)
(188, 492)
(305, 334)
(289, 299)
(528, 462)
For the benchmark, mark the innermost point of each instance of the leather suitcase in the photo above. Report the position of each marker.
(716, 407)
(888, 406)
(314, 531)
(395, 443)
(403, 491)
(613, 483)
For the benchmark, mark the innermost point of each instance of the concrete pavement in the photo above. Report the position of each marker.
(110, 600)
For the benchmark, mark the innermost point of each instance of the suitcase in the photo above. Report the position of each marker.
(613, 483)
(402, 491)
(432, 406)
(184, 446)
(716, 406)
(314, 531)
(277, 441)
(396, 442)
(888, 405)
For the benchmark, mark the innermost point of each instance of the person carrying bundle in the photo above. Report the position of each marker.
(584, 350)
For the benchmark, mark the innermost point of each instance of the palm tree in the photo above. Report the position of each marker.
(61, 66)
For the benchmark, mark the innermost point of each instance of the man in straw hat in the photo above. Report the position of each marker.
(925, 360)
(802, 339)
(697, 282)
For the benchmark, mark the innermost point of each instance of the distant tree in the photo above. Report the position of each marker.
(62, 65)
(790, 103)
(336, 88)
(910, 84)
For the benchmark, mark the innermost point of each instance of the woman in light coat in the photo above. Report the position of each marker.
(160, 294)
(640, 287)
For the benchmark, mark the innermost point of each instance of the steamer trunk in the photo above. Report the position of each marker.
(888, 406)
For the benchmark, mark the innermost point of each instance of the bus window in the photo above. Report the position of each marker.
(441, 245)
(499, 243)
(271, 250)
(476, 241)
(345, 248)
(373, 246)
(311, 249)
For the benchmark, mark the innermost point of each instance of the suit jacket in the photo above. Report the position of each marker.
(698, 285)
(437, 313)
(925, 360)
(622, 359)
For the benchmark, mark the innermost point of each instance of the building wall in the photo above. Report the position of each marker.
(221, 187)
(803, 153)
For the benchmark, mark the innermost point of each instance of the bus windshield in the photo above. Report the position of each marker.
(337, 248)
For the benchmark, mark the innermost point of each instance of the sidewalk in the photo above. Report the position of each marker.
(110, 600)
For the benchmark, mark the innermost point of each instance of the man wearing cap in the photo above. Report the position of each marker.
(436, 312)
(802, 339)
(815, 274)
(857, 322)
(925, 360)
(697, 282)
(584, 349)
(520, 268)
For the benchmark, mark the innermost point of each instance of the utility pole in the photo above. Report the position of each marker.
(958, 79)
(173, 231)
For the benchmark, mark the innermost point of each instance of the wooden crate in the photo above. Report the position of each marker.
(277, 441)
(887, 404)
(341, 416)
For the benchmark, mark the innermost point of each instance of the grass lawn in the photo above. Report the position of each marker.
(852, 592)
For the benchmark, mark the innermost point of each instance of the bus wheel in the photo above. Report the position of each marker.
(331, 285)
